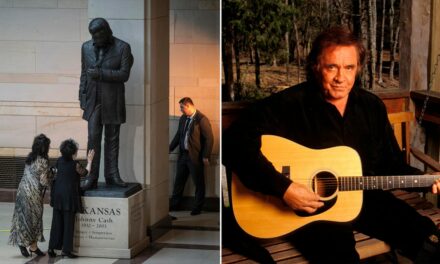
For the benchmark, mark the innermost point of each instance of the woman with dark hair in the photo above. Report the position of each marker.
(66, 198)
(27, 221)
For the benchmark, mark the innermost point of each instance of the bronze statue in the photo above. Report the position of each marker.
(105, 67)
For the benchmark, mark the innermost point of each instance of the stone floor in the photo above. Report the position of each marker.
(193, 239)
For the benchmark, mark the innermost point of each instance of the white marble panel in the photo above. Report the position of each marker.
(210, 82)
(173, 126)
(132, 32)
(191, 237)
(170, 100)
(159, 70)
(17, 57)
(33, 78)
(39, 24)
(59, 129)
(184, 81)
(184, 4)
(84, 25)
(116, 9)
(207, 61)
(131, 142)
(147, 145)
(39, 92)
(158, 201)
(198, 92)
(36, 3)
(6, 3)
(40, 111)
(158, 130)
(184, 26)
(197, 26)
(73, 4)
(111, 225)
(58, 57)
(209, 4)
(182, 61)
(212, 179)
(172, 25)
(17, 131)
(207, 28)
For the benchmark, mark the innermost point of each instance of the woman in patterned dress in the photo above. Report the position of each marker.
(27, 221)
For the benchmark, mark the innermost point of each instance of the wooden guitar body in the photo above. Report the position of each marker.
(265, 216)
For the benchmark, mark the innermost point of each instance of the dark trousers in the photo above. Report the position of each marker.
(185, 167)
(111, 144)
(61, 232)
(382, 216)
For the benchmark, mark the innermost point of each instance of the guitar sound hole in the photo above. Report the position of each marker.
(325, 184)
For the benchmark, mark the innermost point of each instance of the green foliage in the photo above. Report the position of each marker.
(266, 21)
(261, 26)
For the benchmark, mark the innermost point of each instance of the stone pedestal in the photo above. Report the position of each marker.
(112, 227)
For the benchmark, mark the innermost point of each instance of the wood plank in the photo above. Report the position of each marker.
(233, 258)
(432, 163)
(371, 247)
(284, 255)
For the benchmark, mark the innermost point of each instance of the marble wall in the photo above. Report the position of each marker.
(40, 45)
(195, 72)
(40, 51)
(176, 53)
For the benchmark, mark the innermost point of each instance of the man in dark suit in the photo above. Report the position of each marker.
(106, 62)
(195, 139)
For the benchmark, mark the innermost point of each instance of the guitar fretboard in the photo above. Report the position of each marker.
(385, 182)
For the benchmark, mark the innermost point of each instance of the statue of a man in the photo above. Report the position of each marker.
(105, 67)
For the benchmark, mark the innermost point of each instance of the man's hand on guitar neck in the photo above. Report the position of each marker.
(300, 198)
(436, 185)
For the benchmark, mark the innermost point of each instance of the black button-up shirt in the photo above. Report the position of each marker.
(301, 114)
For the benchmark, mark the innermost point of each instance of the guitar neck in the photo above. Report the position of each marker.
(385, 182)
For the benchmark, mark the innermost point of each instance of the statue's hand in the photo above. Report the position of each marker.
(93, 73)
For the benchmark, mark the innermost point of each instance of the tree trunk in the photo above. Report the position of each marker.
(237, 68)
(372, 41)
(286, 39)
(392, 39)
(298, 51)
(257, 67)
(357, 26)
(382, 35)
(394, 53)
(228, 91)
(251, 55)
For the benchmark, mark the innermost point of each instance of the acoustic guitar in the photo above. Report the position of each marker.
(335, 174)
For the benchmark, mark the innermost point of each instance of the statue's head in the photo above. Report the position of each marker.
(100, 31)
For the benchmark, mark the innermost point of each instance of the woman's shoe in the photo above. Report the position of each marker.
(68, 254)
(24, 251)
(37, 251)
(51, 253)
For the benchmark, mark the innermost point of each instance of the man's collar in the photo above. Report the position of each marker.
(193, 114)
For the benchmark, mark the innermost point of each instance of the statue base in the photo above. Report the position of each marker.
(113, 191)
(113, 224)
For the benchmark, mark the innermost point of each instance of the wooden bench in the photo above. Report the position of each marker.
(283, 251)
